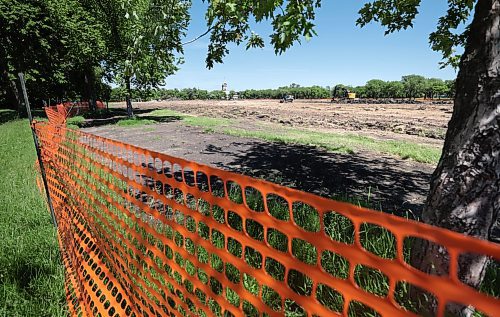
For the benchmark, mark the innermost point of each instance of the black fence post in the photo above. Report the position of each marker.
(37, 147)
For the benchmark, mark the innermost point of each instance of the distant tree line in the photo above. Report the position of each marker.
(119, 94)
(410, 86)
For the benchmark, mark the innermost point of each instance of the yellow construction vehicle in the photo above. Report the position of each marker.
(340, 93)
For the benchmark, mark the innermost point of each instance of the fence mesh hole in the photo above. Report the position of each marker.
(304, 251)
(335, 264)
(234, 192)
(254, 229)
(177, 171)
(234, 247)
(278, 207)
(234, 220)
(275, 269)
(271, 298)
(362, 310)
(460, 309)
(378, 240)
(232, 273)
(339, 227)
(217, 186)
(232, 297)
(306, 216)
(218, 214)
(253, 257)
(436, 256)
(216, 263)
(250, 284)
(249, 310)
(189, 176)
(415, 299)
(218, 239)
(330, 298)
(254, 199)
(202, 181)
(299, 282)
(371, 280)
(277, 239)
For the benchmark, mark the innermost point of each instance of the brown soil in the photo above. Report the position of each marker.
(390, 183)
(424, 123)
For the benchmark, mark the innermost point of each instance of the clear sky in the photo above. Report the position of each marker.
(341, 53)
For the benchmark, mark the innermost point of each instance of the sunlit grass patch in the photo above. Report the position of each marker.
(31, 274)
(134, 122)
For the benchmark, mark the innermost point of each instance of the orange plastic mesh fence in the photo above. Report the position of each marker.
(147, 234)
(71, 109)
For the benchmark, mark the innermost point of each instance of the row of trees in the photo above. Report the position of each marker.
(410, 86)
(68, 48)
(119, 94)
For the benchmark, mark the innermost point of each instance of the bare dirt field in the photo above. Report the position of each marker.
(423, 121)
(383, 180)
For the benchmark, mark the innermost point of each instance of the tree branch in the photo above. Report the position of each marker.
(199, 36)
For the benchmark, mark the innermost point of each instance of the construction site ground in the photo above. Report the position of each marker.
(364, 176)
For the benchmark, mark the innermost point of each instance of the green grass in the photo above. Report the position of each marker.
(78, 120)
(134, 122)
(335, 142)
(198, 121)
(206, 122)
(165, 113)
(31, 274)
(343, 143)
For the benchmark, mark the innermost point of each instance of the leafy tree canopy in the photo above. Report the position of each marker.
(396, 15)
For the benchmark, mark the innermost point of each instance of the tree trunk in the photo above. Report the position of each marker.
(13, 97)
(465, 187)
(128, 98)
(17, 98)
(90, 91)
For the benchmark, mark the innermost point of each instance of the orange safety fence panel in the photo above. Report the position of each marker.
(71, 109)
(147, 234)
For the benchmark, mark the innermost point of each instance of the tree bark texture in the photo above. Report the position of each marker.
(465, 187)
(128, 98)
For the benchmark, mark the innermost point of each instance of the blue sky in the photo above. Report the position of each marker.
(341, 53)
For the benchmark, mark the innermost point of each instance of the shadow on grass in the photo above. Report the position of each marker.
(7, 115)
(119, 117)
(378, 183)
(24, 273)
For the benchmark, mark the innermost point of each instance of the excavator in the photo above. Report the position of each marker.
(340, 93)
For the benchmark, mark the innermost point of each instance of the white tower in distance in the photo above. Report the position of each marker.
(224, 90)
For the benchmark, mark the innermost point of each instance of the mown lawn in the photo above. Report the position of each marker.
(31, 273)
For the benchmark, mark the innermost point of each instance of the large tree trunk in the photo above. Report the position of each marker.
(128, 98)
(465, 187)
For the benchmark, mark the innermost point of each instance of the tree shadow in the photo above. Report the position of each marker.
(380, 183)
(114, 116)
(24, 273)
(7, 115)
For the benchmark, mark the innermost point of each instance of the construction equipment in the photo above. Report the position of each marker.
(286, 98)
(341, 93)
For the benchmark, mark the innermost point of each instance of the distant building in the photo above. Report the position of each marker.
(225, 91)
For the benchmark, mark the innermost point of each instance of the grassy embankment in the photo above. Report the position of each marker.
(31, 274)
